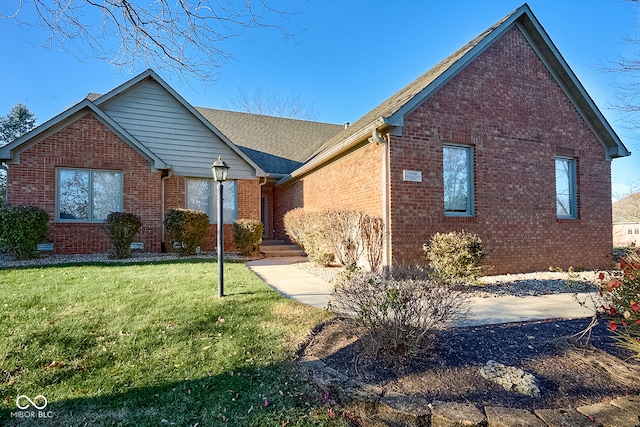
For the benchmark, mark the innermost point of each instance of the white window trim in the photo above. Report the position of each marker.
(89, 220)
(213, 197)
(573, 188)
(470, 212)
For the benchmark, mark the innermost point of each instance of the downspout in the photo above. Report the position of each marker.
(163, 246)
(385, 183)
(386, 214)
(262, 184)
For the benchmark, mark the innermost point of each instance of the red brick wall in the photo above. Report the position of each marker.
(509, 109)
(352, 182)
(87, 143)
(248, 208)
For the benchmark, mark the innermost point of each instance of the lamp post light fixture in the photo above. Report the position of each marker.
(220, 170)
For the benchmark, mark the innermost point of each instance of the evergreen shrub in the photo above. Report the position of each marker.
(122, 228)
(247, 234)
(186, 228)
(22, 228)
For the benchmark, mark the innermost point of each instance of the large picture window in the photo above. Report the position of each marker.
(566, 188)
(88, 195)
(202, 195)
(458, 180)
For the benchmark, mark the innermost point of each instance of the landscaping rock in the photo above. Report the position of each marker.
(609, 415)
(453, 414)
(329, 378)
(354, 390)
(564, 418)
(510, 378)
(311, 363)
(509, 417)
(628, 403)
(399, 409)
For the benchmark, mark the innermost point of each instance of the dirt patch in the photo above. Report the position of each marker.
(569, 373)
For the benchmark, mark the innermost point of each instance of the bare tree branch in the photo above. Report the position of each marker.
(272, 104)
(183, 35)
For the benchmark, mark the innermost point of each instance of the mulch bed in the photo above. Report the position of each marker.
(570, 373)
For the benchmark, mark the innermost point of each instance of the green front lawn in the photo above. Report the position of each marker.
(152, 344)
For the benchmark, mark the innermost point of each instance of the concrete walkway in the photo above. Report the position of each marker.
(283, 275)
(286, 277)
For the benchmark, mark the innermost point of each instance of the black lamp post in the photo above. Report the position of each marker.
(220, 170)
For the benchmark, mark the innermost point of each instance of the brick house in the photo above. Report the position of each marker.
(626, 221)
(499, 139)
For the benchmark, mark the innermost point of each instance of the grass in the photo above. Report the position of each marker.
(152, 344)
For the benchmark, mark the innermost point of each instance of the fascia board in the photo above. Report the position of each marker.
(397, 118)
(572, 87)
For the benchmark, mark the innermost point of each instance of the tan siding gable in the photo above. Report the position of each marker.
(156, 119)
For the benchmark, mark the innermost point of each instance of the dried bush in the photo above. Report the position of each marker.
(397, 317)
(122, 228)
(21, 229)
(247, 234)
(372, 234)
(455, 256)
(186, 229)
(308, 231)
(336, 236)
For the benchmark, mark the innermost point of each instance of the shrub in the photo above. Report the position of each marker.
(22, 228)
(372, 232)
(621, 294)
(455, 256)
(122, 228)
(306, 230)
(246, 235)
(398, 316)
(336, 236)
(186, 228)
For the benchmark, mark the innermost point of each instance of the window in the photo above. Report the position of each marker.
(637, 230)
(88, 195)
(566, 194)
(458, 180)
(629, 230)
(202, 195)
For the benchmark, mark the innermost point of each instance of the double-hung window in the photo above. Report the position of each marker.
(458, 180)
(202, 195)
(566, 188)
(85, 195)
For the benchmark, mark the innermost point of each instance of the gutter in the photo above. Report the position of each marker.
(334, 151)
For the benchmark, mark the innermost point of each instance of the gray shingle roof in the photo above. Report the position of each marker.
(407, 93)
(278, 145)
(392, 110)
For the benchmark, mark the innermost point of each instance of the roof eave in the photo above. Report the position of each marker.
(353, 140)
(11, 151)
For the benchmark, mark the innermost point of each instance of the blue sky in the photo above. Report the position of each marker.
(346, 58)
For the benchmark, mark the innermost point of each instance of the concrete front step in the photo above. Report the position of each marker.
(277, 248)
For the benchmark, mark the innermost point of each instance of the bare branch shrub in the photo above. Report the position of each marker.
(307, 230)
(372, 234)
(397, 318)
(340, 236)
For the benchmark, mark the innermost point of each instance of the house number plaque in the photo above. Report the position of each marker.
(412, 176)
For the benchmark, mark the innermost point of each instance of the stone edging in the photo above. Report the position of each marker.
(377, 408)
